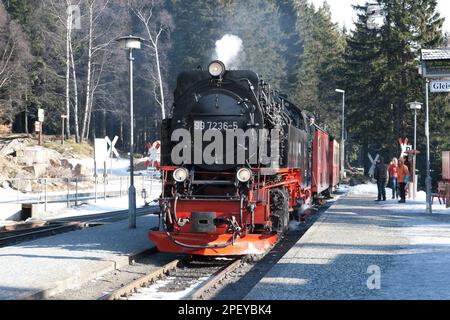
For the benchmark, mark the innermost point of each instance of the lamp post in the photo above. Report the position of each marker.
(415, 106)
(427, 134)
(343, 175)
(129, 43)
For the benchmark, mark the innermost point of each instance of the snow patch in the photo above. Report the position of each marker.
(153, 293)
(364, 189)
(293, 225)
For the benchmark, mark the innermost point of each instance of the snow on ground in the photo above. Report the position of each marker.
(119, 167)
(154, 292)
(12, 196)
(9, 199)
(8, 194)
(364, 189)
(413, 206)
(101, 206)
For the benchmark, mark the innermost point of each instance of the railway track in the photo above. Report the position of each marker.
(57, 226)
(215, 280)
(108, 217)
(187, 279)
(164, 276)
(8, 238)
(199, 279)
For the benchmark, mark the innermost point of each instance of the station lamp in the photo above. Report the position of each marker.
(342, 147)
(130, 43)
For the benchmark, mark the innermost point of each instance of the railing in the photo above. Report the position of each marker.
(75, 190)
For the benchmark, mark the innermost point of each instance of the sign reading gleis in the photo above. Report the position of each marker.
(440, 86)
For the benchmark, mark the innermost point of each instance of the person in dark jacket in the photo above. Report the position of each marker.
(381, 177)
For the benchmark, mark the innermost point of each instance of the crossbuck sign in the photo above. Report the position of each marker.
(374, 163)
(111, 147)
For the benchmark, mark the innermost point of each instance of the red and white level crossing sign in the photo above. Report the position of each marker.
(406, 147)
(154, 154)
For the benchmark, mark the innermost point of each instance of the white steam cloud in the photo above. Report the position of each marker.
(228, 50)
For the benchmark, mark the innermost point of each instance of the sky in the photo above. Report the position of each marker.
(344, 14)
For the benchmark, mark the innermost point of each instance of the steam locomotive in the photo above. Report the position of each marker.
(238, 161)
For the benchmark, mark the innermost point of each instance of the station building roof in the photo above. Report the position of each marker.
(436, 54)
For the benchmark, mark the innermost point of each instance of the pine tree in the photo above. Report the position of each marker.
(362, 80)
(320, 63)
(199, 24)
(263, 39)
(292, 41)
(19, 10)
(15, 59)
(387, 79)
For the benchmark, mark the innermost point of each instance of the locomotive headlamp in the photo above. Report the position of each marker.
(180, 175)
(217, 69)
(244, 175)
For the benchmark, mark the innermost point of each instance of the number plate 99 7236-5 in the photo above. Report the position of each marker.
(215, 125)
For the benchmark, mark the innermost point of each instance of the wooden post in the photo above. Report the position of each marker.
(68, 192)
(45, 195)
(37, 130)
(40, 134)
(105, 175)
(413, 176)
(447, 195)
(63, 118)
(95, 180)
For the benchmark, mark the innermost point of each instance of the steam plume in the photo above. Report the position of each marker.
(228, 49)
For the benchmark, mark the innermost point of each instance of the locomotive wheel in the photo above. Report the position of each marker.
(279, 208)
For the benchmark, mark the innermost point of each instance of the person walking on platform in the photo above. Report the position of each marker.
(381, 177)
(403, 177)
(393, 177)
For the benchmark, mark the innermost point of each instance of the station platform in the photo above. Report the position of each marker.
(44, 267)
(363, 250)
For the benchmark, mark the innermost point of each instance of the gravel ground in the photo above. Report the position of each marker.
(114, 280)
(181, 283)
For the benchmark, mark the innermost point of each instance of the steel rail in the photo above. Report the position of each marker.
(148, 278)
(63, 225)
(26, 235)
(215, 280)
(107, 215)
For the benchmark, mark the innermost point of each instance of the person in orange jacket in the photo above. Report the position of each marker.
(403, 177)
(393, 177)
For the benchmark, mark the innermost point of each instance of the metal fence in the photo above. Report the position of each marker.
(78, 189)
